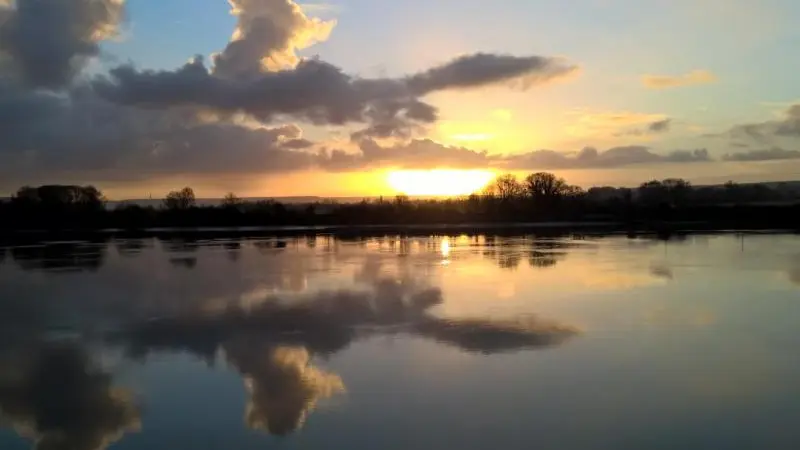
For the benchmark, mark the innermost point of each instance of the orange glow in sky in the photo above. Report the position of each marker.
(439, 182)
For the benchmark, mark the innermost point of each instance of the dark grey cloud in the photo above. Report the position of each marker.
(768, 132)
(314, 91)
(679, 156)
(790, 125)
(770, 154)
(317, 91)
(590, 157)
(660, 126)
(484, 68)
(657, 127)
(48, 42)
(134, 124)
(259, 74)
(425, 153)
(395, 119)
(298, 144)
(46, 135)
(417, 153)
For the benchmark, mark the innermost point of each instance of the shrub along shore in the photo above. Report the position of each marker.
(539, 200)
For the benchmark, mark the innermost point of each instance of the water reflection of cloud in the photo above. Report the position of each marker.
(386, 303)
(662, 271)
(476, 335)
(676, 316)
(260, 313)
(180, 244)
(54, 395)
(794, 270)
(284, 386)
(131, 247)
(273, 332)
(272, 341)
(617, 280)
(186, 262)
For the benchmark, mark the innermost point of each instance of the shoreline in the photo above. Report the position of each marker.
(516, 228)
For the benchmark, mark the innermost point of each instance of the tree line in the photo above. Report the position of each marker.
(537, 197)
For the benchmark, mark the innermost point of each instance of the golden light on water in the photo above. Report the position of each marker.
(446, 248)
(439, 182)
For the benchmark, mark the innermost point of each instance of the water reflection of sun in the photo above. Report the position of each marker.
(439, 182)
(445, 248)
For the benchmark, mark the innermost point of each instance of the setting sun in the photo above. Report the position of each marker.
(439, 182)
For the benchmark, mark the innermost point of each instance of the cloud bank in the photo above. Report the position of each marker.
(775, 135)
(785, 127)
(241, 110)
(770, 154)
(657, 127)
(49, 42)
(591, 158)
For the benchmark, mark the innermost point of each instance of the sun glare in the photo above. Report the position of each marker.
(439, 182)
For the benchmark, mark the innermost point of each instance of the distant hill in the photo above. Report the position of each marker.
(789, 187)
(217, 201)
(285, 200)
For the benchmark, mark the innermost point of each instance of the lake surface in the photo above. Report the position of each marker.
(463, 342)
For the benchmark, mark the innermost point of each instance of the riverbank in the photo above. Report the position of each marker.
(663, 229)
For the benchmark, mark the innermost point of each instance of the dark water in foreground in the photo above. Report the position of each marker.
(402, 343)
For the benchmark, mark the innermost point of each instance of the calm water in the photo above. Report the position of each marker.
(464, 342)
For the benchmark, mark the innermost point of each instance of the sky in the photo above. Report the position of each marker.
(357, 97)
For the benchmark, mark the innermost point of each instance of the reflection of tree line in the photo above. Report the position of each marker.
(507, 252)
(60, 256)
(90, 256)
(540, 254)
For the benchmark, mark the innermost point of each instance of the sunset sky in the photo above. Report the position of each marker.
(365, 97)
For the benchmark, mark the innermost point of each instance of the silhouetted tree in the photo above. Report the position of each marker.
(540, 197)
(506, 187)
(58, 196)
(678, 190)
(180, 200)
(652, 193)
(401, 200)
(546, 186)
(231, 201)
